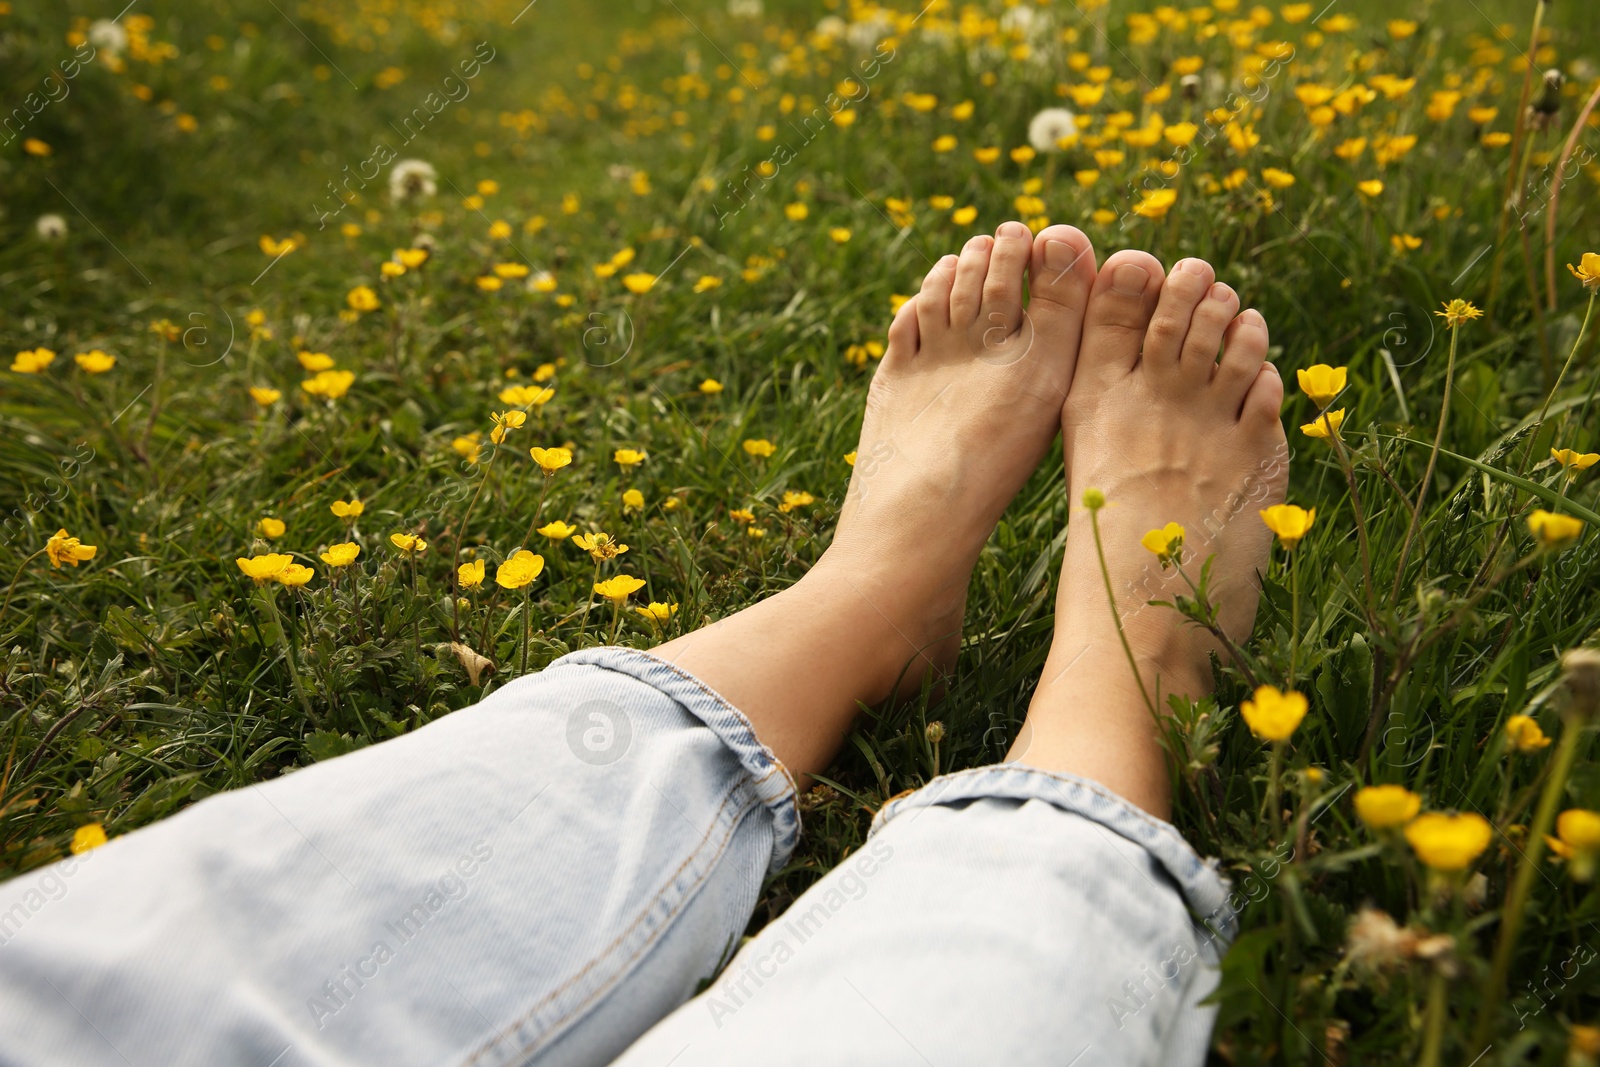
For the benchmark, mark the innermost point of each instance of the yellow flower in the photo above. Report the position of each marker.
(1322, 383)
(793, 500)
(411, 258)
(315, 361)
(1156, 203)
(264, 395)
(264, 568)
(273, 247)
(557, 530)
(600, 546)
(341, 555)
(523, 396)
(1523, 734)
(711, 387)
(1323, 423)
(1278, 179)
(95, 361)
(295, 575)
(347, 509)
(657, 612)
(628, 457)
(489, 283)
(1180, 133)
(742, 515)
(35, 147)
(544, 372)
(551, 460)
(1588, 270)
(1273, 715)
(32, 362)
(1400, 29)
(470, 575)
(986, 155)
(332, 384)
(759, 447)
(963, 216)
(639, 282)
(1578, 834)
(796, 211)
(839, 234)
(63, 548)
(270, 528)
(945, 143)
(467, 447)
(511, 270)
(707, 282)
(1023, 154)
(755, 533)
(362, 298)
(1448, 842)
(1289, 522)
(1554, 530)
(1166, 543)
(504, 423)
(1371, 187)
(618, 589)
(1573, 462)
(632, 501)
(850, 458)
(521, 569)
(1458, 311)
(87, 837)
(1384, 807)
(410, 544)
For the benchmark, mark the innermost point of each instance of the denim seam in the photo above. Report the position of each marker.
(685, 895)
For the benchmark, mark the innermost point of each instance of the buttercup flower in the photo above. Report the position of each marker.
(264, 568)
(295, 575)
(792, 500)
(94, 361)
(657, 612)
(88, 837)
(504, 423)
(1573, 462)
(1523, 734)
(330, 384)
(1448, 842)
(639, 282)
(628, 457)
(1322, 383)
(524, 396)
(470, 575)
(521, 569)
(270, 528)
(711, 387)
(410, 544)
(341, 555)
(1458, 311)
(362, 298)
(1166, 543)
(64, 548)
(600, 546)
(1290, 522)
(557, 530)
(618, 589)
(315, 361)
(1322, 424)
(347, 509)
(32, 361)
(1384, 807)
(1272, 714)
(1554, 530)
(265, 396)
(1588, 270)
(759, 447)
(1577, 840)
(632, 501)
(551, 460)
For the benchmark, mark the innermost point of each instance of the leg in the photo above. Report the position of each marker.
(1040, 912)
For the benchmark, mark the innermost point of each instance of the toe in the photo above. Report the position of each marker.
(1002, 288)
(1061, 273)
(933, 302)
(1206, 328)
(904, 336)
(1182, 292)
(1124, 296)
(1244, 350)
(966, 297)
(1263, 401)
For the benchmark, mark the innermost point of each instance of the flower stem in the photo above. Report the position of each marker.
(1433, 1033)
(16, 578)
(532, 526)
(1433, 459)
(522, 668)
(589, 601)
(1517, 900)
(1111, 599)
(288, 650)
(1294, 635)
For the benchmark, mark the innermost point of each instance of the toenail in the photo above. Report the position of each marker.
(980, 241)
(1189, 266)
(1221, 292)
(1129, 279)
(1012, 229)
(1058, 255)
(1253, 318)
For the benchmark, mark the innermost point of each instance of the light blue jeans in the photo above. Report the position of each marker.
(551, 877)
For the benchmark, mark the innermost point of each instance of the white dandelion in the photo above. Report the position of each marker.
(412, 179)
(745, 9)
(108, 36)
(1049, 126)
(51, 227)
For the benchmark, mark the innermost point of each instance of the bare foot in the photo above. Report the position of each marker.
(962, 408)
(1169, 433)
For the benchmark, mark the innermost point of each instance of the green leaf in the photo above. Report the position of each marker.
(1543, 492)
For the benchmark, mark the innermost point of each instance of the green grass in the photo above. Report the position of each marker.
(155, 674)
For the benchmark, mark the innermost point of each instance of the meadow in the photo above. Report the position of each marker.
(314, 315)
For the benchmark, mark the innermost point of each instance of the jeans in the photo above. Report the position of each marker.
(550, 877)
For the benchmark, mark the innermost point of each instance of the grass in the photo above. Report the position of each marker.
(156, 673)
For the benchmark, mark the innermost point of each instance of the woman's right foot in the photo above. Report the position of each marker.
(1168, 433)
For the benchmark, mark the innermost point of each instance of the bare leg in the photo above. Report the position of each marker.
(1169, 433)
(961, 410)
